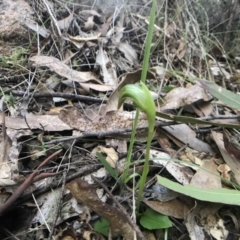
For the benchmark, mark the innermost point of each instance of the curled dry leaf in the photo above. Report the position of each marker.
(50, 122)
(107, 68)
(120, 224)
(231, 144)
(186, 135)
(9, 151)
(229, 158)
(207, 179)
(62, 69)
(174, 208)
(180, 97)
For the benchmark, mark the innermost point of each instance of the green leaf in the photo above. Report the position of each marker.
(113, 172)
(154, 220)
(227, 97)
(102, 226)
(194, 120)
(219, 195)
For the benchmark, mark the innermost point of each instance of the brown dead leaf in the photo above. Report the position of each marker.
(118, 220)
(114, 120)
(209, 178)
(186, 135)
(202, 108)
(5, 146)
(50, 122)
(170, 28)
(180, 97)
(9, 152)
(174, 208)
(181, 50)
(181, 173)
(165, 144)
(231, 144)
(230, 160)
(63, 70)
(224, 169)
(100, 88)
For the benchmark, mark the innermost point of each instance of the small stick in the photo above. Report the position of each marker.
(26, 184)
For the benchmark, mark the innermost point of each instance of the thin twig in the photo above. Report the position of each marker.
(87, 169)
(62, 95)
(27, 183)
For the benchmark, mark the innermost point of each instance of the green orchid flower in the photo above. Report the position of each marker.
(142, 98)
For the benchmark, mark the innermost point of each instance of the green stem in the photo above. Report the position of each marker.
(143, 178)
(129, 155)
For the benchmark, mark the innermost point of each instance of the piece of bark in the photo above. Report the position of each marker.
(86, 193)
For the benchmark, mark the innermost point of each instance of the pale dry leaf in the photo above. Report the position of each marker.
(89, 37)
(128, 51)
(202, 108)
(89, 24)
(230, 160)
(119, 144)
(78, 44)
(50, 122)
(100, 88)
(48, 208)
(170, 28)
(64, 23)
(117, 36)
(90, 11)
(112, 156)
(107, 68)
(181, 173)
(219, 69)
(218, 230)
(63, 70)
(36, 28)
(224, 169)
(196, 231)
(102, 57)
(193, 159)
(207, 179)
(180, 97)
(9, 166)
(181, 50)
(187, 136)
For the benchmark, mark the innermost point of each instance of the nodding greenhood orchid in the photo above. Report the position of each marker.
(142, 98)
